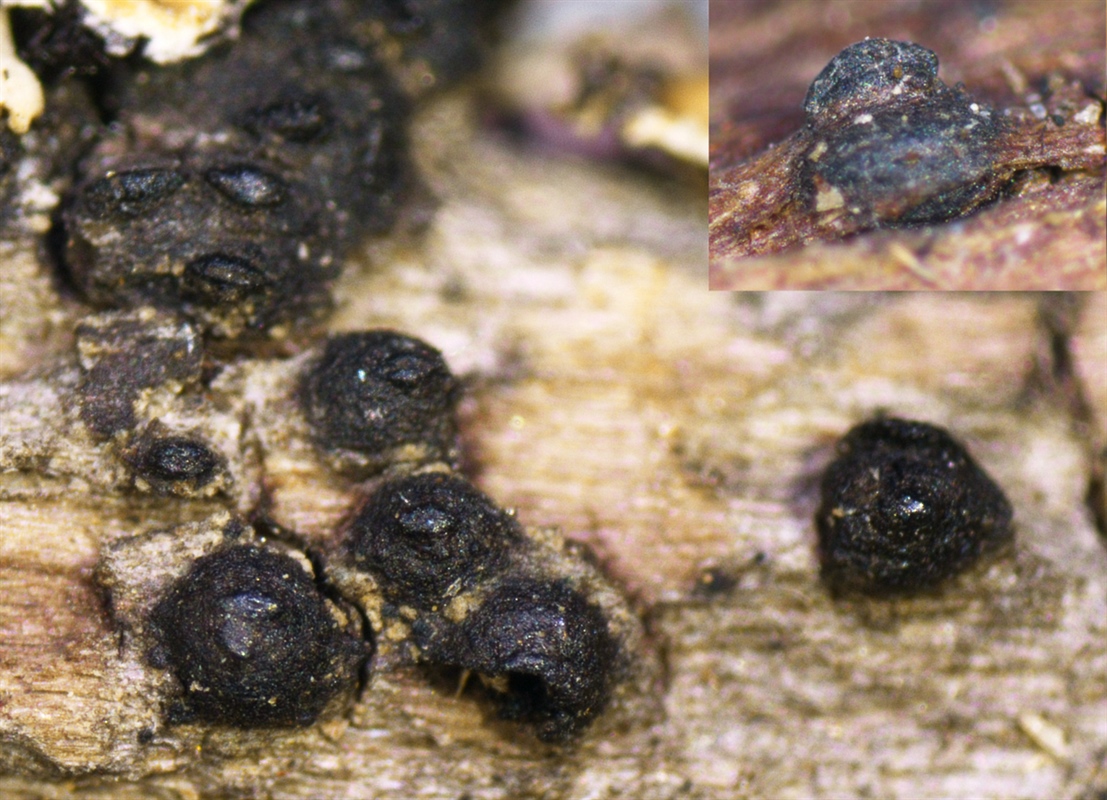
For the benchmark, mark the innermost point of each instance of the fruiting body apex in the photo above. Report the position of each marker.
(428, 535)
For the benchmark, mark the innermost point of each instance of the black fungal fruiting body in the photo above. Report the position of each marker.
(174, 464)
(178, 459)
(543, 646)
(252, 642)
(221, 201)
(890, 142)
(427, 537)
(548, 647)
(905, 507)
(234, 184)
(375, 391)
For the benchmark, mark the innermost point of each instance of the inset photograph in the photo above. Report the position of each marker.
(898, 145)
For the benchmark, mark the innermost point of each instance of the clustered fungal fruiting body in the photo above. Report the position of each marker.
(232, 186)
(375, 391)
(458, 582)
(905, 507)
(252, 641)
(219, 204)
(889, 141)
(440, 548)
(545, 648)
(227, 192)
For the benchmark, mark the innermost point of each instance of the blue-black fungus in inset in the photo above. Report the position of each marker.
(891, 143)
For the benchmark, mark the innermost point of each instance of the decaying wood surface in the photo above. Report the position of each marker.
(678, 433)
(1042, 70)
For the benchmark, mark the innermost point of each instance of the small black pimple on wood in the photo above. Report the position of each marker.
(295, 119)
(169, 462)
(715, 582)
(427, 535)
(905, 507)
(131, 193)
(247, 186)
(250, 638)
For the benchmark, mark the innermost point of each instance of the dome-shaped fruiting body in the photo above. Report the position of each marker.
(890, 141)
(869, 72)
(905, 507)
(551, 646)
(427, 536)
(252, 641)
(374, 391)
(233, 247)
